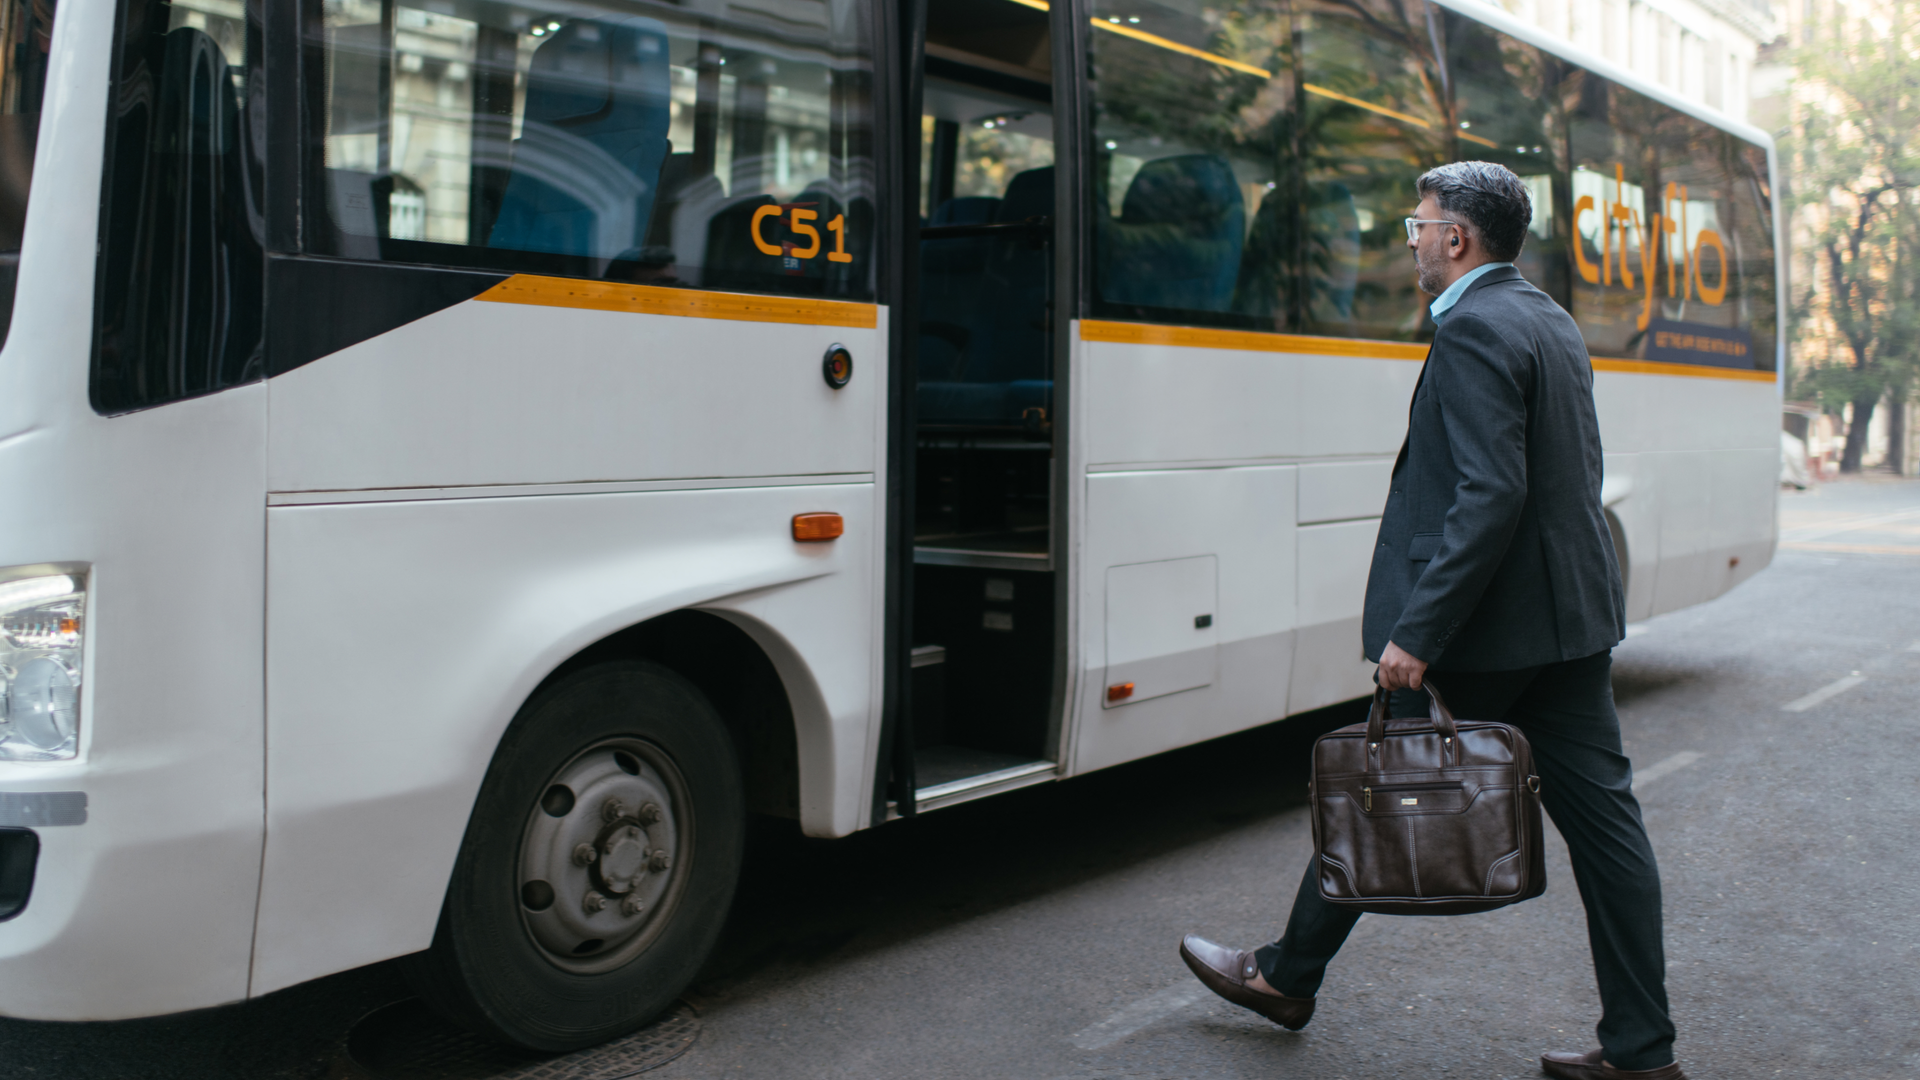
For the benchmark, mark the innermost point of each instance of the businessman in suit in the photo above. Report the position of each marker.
(1495, 573)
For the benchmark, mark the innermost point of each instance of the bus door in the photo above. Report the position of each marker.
(985, 554)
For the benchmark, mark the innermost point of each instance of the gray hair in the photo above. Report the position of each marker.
(1491, 198)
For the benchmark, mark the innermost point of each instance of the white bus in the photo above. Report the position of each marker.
(461, 457)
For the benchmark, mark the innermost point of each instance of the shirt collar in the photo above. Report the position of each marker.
(1458, 289)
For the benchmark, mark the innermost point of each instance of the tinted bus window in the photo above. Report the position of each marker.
(1191, 130)
(636, 143)
(1505, 100)
(1252, 168)
(26, 28)
(181, 259)
(1253, 165)
(1673, 234)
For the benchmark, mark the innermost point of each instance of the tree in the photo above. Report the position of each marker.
(1856, 168)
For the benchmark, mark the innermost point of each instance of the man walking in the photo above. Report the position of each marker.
(1495, 573)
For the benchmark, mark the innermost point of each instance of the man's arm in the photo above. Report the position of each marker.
(1483, 404)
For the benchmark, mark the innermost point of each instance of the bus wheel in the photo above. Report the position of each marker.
(598, 864)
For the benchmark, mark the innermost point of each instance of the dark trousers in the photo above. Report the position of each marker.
(1566, 712)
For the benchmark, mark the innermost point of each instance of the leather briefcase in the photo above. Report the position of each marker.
(1427, 816)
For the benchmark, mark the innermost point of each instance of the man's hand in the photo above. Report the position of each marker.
(1400, 670)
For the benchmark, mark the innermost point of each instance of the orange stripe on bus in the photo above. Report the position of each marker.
(1250, 340)
(1257, 341)
(687, 303)
(1698, 371)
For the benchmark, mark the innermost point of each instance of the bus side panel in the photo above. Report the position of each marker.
(403, 636)
(1199, 442)
(487, 393)
(1243, 518)
(1693, 469)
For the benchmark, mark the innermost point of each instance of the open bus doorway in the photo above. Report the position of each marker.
(983, 625)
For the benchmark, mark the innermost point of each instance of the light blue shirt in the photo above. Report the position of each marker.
(1458, 288)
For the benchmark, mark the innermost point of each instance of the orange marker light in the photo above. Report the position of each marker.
(813, 528)
(1120, 691)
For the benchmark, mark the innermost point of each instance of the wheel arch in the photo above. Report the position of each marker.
(730, 665)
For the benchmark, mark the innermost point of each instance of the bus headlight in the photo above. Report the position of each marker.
(41, 619)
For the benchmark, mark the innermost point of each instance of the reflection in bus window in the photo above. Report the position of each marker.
(1252, 168)
(1672, 233)
(634, 144)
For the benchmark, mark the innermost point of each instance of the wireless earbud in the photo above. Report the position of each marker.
(1455, 241)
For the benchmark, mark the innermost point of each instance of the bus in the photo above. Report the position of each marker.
(463, 457)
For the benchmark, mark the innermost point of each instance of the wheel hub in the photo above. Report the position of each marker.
(602, 862)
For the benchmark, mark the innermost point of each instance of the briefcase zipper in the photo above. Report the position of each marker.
(1366, 792)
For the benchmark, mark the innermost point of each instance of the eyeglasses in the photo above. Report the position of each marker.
(1414, 223)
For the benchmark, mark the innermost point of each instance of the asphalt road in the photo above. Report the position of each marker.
(1777, 741)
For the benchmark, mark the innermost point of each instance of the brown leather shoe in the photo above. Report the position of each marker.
(1566, 1065)
(1226, 971)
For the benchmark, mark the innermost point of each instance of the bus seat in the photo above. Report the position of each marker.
(593, 138)
(1018, 278)
(1331, 280)
(1177, 241)
(983, 339)
(1029, 194)
(952, 275)
(966, 210)
(731, 259)
(675, 171)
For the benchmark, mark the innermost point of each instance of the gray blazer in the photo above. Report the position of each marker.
(1494, 552)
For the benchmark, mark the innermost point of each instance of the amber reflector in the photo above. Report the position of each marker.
(808, 528)
(1120, 691)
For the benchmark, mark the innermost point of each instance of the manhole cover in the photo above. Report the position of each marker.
(407, 1041)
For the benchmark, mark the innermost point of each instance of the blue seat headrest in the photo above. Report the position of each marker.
(1188, 188)
(599, 78)
(1029, 194)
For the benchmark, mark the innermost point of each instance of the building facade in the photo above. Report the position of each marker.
(1702, 50)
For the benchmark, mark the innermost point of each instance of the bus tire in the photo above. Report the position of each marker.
(598, 865)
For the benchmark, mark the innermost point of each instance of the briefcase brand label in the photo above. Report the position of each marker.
(1409, 802)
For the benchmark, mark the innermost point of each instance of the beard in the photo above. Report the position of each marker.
(1432, 269)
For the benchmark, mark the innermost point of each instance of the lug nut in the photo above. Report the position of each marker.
(593, 902)
(659, 861)
(650, 813)
(612, 810)
(632, 905)
(583, 854)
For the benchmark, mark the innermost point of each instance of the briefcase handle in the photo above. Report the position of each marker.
(1437, 712)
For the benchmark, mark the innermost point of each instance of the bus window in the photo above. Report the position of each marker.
(1189, 134)
(1504, 96)
(1672, 234)
(1252, 166)
(1372, 119)
(181, 260)
(26, 27)
(637, 144)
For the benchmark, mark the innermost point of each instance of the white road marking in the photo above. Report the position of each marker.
(1138, 1015)
(1915, 647)
(1642, 777)
(1634, 630)
(1832, 689)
